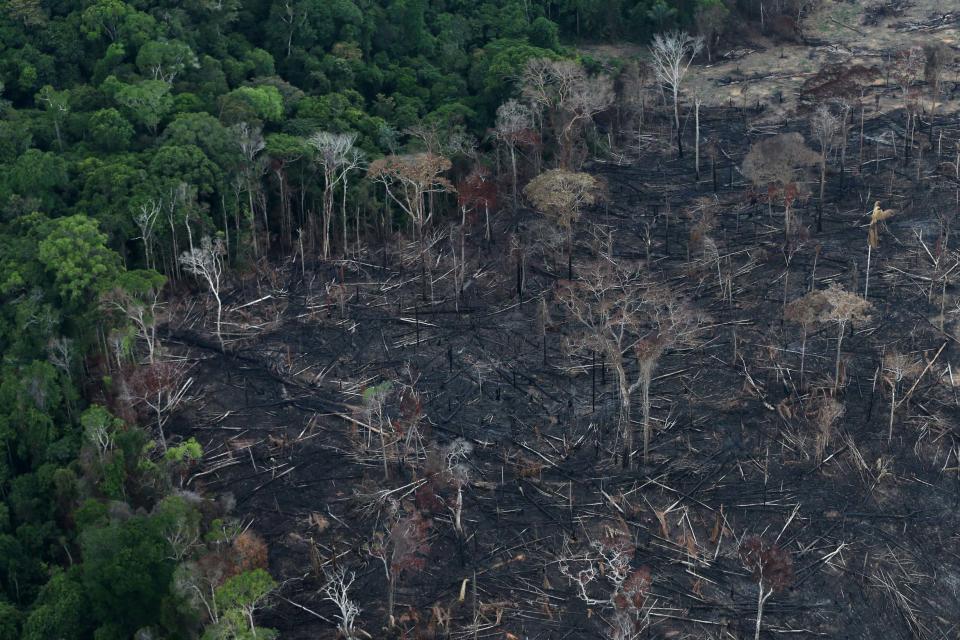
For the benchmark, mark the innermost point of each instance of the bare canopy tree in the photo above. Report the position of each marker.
(617, 313)
(514, 125)
(824, 126)
(337, 157)
(672, 54)
(206, 262)
(568, 97)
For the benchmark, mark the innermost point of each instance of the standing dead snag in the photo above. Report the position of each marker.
(672, 54)
(771, 568)
(477, 192)
(206, 261)
(824, 414)
(337, 157)
(161, 387)
(938, 57)
(842, 308)
(408, 180)
(617, 313)
(773, 163)
(374, 399)
(561, 195)
(336, 589)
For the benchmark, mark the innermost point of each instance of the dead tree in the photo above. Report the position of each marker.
(161, 387)
(805, 311)
(824, 127)
(477, 192)
(566, 98)
(937, 57)
(771, 568)
(336, 589)
(825, 413)
(672, 54)
(337, 156)
(402, 549)
(907, 68)
(842, 308)
(773, 163)
(206, 262)
(514, 126)
(617, 314)
(561, 195)
(610, 556)
(631, 90)
(699, 91)
(896, 367)
(408, 180)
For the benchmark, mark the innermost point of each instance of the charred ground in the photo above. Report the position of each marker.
(870, 525)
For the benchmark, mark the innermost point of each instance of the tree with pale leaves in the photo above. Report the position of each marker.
(514, 126)
(561, 196)
(565, 98)
(337, 156)
(842, 308)
(409, 179)
(824, 126)
(617, 314)
(671, 56)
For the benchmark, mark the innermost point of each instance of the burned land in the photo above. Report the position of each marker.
(449, 432)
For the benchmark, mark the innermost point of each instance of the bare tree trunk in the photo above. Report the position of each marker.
(803, 353)
(676, 121)
(866, 287)
(513, 169)
(836, 369)
(893, 406)
(761, 599)
(697, 138)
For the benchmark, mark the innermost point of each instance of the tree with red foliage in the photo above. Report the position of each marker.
(160, 387)
(771, 568)
(475, 193)
(403, 549)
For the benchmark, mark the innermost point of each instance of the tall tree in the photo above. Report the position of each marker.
(671, 55)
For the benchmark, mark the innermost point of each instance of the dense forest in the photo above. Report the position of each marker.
(192, 189)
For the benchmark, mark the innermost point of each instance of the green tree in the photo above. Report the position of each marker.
(248, 104)
(126, 572)
(165, 59)
(146, 102)
(61, 611)
(109, 130)
(75, 252)
(237, 599)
